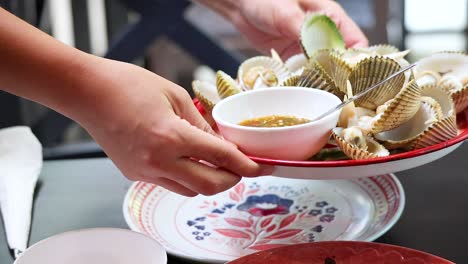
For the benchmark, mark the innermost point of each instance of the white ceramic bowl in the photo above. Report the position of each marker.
(95, 246)
(297, 142)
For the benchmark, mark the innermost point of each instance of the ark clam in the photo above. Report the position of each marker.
(453, 68)
(315, 76)
(261, 72)
(334, 66)
(414, 110)
(370, 71)
(356, 145)
(427, 127)
(295, 64)
(207, 93)
(225, 85)
(354, 56)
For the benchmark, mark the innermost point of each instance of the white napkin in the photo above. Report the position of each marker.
(20, 165)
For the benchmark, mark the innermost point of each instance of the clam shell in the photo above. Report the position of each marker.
(380, 49)
(454, 63)
(295, 64)
(369, 72)
(428, 78)
(410, 133)
(403, 63)
(400, 55)
(207, 93)
(319, 31)
(450, 83)
(441, 96)
(291, 81)
(225, 85)
(275, 55)
(354, 116)
(440, 131)
(458, 92)
(261, 72)
(314, 76)
(334, 66)
(399, 109)
(348, 112)
(353, 56)
(372, 149)
(460, 98)
(439, 113)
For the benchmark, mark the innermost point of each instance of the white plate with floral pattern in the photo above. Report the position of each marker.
(263, 213)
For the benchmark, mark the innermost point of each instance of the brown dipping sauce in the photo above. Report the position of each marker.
(274, 121)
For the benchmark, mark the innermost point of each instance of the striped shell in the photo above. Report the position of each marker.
(357, 146)
(457, 90)
(315, 76)
(453, 63)
(354, 56)
(380, 49)
(428, 78)
(261, 72)
(460, 98)
(424, 129)
(295, 64)
(334, 66)
(207, 93)
(225, 85)
(442, 97)
(369, 72)
(291, 81)
(399, 109)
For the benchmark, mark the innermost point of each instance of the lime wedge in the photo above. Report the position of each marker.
(320, 32)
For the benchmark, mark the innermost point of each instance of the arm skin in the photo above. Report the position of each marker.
(147, 125)
(276, 23)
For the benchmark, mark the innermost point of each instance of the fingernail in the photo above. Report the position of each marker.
(266, 169)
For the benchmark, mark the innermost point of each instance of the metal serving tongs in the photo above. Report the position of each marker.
(359, 95)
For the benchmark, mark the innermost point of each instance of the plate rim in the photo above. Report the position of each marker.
(388, 226)
(352, 163)
(132, 227)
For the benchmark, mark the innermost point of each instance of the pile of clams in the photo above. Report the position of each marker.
(414, 110)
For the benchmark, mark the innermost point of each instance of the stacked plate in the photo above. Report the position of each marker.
(264, 213)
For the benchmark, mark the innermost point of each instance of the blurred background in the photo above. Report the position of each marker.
(180, 40)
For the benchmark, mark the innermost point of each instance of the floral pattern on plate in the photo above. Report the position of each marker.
(262, 221)
(264, 213)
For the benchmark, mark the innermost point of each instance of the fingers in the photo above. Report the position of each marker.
(190, 113)
(290, 21)
(352, 34)
(218, 152)
(293, 49)
(173, 186)
(203, 179)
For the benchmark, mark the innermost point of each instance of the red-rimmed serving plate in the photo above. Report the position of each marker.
(262, 213)
(349, 169)
(341, 252)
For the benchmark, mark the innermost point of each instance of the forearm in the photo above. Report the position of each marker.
(33, 65)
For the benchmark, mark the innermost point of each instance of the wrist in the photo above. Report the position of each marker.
(89, 88)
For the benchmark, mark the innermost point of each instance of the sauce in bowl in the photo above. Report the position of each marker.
(274, 121)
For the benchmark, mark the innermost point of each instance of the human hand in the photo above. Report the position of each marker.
(153, 132)
(276, 24)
